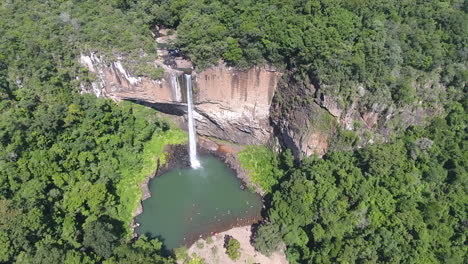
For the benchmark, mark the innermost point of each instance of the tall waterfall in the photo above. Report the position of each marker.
(191, 125)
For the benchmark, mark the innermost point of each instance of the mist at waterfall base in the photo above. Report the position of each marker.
(187, 203)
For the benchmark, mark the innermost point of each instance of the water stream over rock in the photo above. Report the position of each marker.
(194, 162)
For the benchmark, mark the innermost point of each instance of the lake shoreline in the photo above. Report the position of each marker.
(187, 203)
(227, 152)
(213, 250)
(177, 156)
(174, 155)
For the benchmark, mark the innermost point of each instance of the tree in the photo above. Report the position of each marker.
(381, 203)
(232, 247)
(141, 252)
(233, 53)
(100, 237)
(268, 239)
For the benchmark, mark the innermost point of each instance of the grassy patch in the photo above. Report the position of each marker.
(261, 164)
(322, 121)
(196, 259)
(128, 188)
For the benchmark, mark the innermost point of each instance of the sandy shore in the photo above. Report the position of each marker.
(213, 252)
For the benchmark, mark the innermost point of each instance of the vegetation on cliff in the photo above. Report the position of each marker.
(400, 61)
(261, 164)
(401, 202)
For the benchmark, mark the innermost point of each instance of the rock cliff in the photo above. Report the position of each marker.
(114, 81)
(232, 105)
(309, 121)
(246, 107)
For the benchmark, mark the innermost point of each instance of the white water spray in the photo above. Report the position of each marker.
(191, 125)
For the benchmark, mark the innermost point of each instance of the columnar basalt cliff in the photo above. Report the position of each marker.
(231, 105)
(235, 104)
(245, 107)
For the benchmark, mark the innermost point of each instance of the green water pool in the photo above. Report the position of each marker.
(188, 203)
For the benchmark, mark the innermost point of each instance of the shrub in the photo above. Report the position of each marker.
(181, 254)
(344, 140)
(214, 250)
(200, 245)
(232, 248)
(196, 259)
(267, 239)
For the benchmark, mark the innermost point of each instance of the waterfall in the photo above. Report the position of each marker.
(191, 125)
(176, 87)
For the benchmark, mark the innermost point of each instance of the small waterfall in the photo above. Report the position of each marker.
(191, 125)
(176, 87)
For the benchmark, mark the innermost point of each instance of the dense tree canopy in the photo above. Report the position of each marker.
(70, 164)
(402, 202)
(384, 45)
(44, 37)
(65, 185)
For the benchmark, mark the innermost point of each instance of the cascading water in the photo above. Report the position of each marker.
(191, 125)
(176, 87)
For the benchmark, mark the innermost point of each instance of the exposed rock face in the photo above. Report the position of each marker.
(235, 104)
(308, 121)
(232, 105)
(246, 106)
(115, 82)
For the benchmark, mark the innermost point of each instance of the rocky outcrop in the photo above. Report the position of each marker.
(309, 121)
(246, 106)
(115, 82)
(232, 105)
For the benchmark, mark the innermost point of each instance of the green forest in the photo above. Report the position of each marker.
(383, 45)
(70, 163)
(402, 202)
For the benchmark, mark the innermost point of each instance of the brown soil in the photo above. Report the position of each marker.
(215, 253)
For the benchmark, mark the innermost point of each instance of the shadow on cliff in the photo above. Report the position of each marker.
(167, 108)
